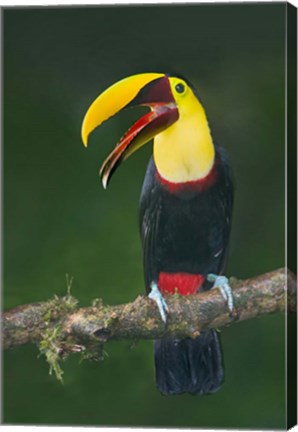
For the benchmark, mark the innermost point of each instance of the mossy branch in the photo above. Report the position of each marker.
(60, 327)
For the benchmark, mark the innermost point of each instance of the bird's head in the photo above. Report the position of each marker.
(183, 148)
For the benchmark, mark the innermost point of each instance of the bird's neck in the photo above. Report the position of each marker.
(185, 152)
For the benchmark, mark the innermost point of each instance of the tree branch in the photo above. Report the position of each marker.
(60, 327)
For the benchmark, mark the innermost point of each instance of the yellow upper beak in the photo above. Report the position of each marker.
(114, 99)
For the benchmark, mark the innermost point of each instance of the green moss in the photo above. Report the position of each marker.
(59, 306)
(108, 322)
(98, 303)
(49, 347)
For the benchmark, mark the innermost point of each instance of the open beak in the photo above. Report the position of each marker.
(148, 89)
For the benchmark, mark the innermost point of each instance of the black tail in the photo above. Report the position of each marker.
(189, 365)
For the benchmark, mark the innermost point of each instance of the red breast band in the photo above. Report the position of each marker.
(190, 186)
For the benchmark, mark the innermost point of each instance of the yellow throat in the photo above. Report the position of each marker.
(185, 152)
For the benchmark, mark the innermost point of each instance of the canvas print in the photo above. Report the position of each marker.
(149, 216)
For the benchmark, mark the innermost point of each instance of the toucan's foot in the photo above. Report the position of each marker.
(156, 295)
(222, 283)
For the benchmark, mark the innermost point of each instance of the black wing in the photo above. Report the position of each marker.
(225, 200)
(150, 211)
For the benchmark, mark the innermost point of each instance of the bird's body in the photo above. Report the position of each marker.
(185, 230)
(185, 212)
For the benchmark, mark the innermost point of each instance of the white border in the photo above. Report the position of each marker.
(53, 3)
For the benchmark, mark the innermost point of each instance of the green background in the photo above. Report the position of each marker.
(58, 219)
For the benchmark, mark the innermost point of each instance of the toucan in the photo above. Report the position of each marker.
(185, 213)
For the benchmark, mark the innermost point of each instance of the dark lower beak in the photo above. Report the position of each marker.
(152, 90)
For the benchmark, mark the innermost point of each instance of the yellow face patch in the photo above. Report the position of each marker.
(185, 151)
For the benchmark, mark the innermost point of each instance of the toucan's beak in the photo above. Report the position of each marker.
(148, 89)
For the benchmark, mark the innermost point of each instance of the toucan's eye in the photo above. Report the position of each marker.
(180, 88)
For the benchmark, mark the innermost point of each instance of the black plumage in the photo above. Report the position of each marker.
(187, 231)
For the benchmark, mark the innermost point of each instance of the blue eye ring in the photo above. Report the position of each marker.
(180, 88)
